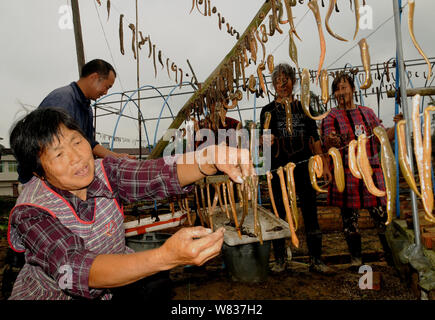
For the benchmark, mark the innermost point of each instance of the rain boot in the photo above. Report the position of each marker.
(354, 244)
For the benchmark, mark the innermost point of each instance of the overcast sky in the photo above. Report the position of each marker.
(38, 55)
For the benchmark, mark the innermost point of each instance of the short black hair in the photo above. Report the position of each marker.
(285, 69)
(342, 76)
(99, 66)
(32, 134)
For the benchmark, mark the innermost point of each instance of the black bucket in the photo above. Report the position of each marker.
(147, 241)
(155, 287)
(247, 262)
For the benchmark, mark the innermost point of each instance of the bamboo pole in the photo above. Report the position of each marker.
(78, 35)
(424, 91)
(185, 110)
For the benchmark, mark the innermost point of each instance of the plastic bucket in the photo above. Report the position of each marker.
(155, 287)
(147, 241)
(247, 262)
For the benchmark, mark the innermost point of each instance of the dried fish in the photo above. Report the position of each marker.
(365, 168)
(121, 34)
(314, 6)
(365, 58)
(338, 168)
(388, 163)
(133, 40)
(328, 16)
(411, 4)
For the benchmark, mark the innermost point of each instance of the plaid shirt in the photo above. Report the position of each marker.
(349, 124)
(49, 244)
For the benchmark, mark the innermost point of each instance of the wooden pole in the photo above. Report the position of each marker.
(185, 110)
(425, 91)
(138, 84)
(78, 35)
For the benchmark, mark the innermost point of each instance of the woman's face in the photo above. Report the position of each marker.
(68, 162)
(283, 86)
(344, 93)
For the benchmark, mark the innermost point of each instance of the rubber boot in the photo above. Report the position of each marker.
(387, 250)
(354, 244)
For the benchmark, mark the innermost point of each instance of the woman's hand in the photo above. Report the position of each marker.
(194, 246)
(236, 163)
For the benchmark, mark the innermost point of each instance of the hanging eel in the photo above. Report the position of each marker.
(230, 188)
(294, 238)
(121, 33)
(357, 17)
(293, 51)
(224, 191)
(365, 58)
(422, 158)
(252, 83)
(388, 164)
(353, 166)
(328, 16)
(411, 4)
(133, 39)
(270, 64)
(290, 18)
(288, 115)
(365, 168)
(257, 35)
(338, 168)
(305, 96)
(261, 67)
(324, 85)
(269, 186)
(427, 160)
(198, 206)
(267, 119)
(404, 161)
(108, 9)
(315, 169)
(314, 6)
(291, 189)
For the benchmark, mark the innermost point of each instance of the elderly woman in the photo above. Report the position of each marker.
(294, 146)
(343, 124)
(69, 220)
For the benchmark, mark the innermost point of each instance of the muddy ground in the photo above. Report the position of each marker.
(212, 281)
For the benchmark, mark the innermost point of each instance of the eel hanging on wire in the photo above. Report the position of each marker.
(353, 166)
(422, 158)
(314, 6)
(411, 4)
(272, 198)
(365, 58)
(427, 160)
(328, 16)
(388, 164)
(338, 168)
(357, 17)
(294, 237)
(305, 96)
(121, 34)
(324, 85)
(315, 170)
(291, 189)
(365, 168)
(290, 18)
(404, 161)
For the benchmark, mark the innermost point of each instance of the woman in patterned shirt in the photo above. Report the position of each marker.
(344, 123)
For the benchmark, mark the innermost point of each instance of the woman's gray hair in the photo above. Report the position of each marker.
(285, 69)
